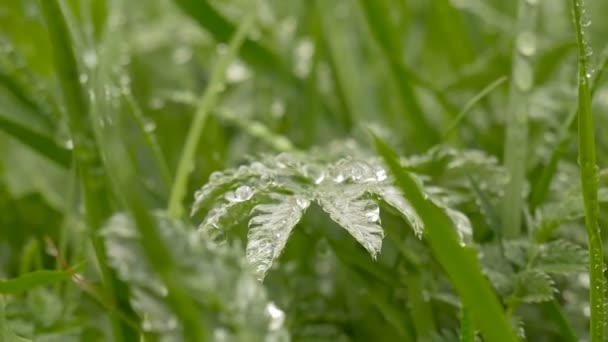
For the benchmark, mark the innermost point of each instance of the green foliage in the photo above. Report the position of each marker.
(482, 223)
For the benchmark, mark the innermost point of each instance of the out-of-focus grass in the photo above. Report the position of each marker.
(100, 114)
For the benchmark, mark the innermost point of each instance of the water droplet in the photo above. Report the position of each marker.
(373, 213)
(182, 55)
(339, 177)
(220, 335)
(83, 78)
(277, 316)
(214, 176)
(315, 173)
(69, 144)
(532, 2)
(380, 175)
(361, 172)
(523, 75)
(304, 51)
(237, 72)
(89, 58)
(526, 43)
(149, 125)
(243, 193)
(302, 202)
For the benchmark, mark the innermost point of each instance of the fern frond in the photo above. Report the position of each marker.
(240, 306)
(270, 228)
(359, 215)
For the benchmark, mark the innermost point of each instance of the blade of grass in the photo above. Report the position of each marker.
(35, 279)
(553, 312)
(222, 30)
(467, 329)
(421, 133)
(589, 183)
(88, 160)
(540, 188)
(460, 263)
(258, 130)
(150, 138)
(44, 145)
(206, 103)
(109, 131)
(471, 103)
(515, 148)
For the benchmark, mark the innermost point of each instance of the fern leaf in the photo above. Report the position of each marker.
(270, 228)
(359, 215)
(393, 196)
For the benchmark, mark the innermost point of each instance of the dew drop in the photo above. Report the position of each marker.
(89, 59)
(380, 175)
(277, 316)
(69, 144)
(526, 43)
(523, 75)
(237, 72)
(362, 172)
(373, 213)
(302, 202)
(243, 193)
(149, 125)
(83, 78)
(338, 177)
(315, 173)
(214, 176)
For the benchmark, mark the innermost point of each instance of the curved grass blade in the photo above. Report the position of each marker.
(515, 148)
(589, 183)
(541, 187)
(375, 13)
(469, 105)
(460, 263)
(206, 103)
(86, 153)
(37, 142)
(35, 279)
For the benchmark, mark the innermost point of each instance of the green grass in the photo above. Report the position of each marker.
(198, 170)
(589, 181)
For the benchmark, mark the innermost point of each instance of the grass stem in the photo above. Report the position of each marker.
(589, 182)
(206, 103)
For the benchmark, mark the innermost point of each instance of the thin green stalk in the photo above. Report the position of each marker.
(259, 130)
(469, 105)
(88, 161)
(40, 143)
(516, 144)
(150, 138)
(589, 183)
(541, 187)
(460, 263)
(206, 103)
(420, 130)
